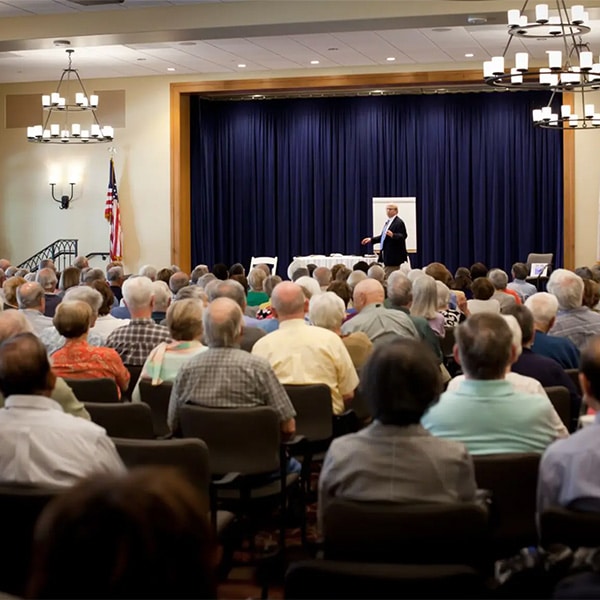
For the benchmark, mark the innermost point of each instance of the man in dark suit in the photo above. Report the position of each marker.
(393, 240)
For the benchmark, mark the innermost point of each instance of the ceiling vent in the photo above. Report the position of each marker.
(95, 2)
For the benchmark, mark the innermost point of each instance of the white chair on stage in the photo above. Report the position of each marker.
(267, 260)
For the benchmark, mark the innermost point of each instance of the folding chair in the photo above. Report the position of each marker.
(157, 398)
(102, 389)
(125, 420)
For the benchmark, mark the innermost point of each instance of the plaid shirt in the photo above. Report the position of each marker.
(135, 341)
(228, 378)
(577, 324)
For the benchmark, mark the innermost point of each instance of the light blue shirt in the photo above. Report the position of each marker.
(491, 417)
(570, 471)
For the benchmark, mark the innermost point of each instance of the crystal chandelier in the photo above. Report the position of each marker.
(62, 124)
(571, 69)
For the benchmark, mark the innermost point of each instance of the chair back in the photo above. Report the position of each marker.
(512, 480)
(190, 456)
(314, 411)
(124, 420)
(21, 505)
(102, 389)
(536, 257)
(267, 260)
(157, 398)
(563, 526)
(242, 440)
(447, 342)
(134, 374)
(392, 532)
(561, 400)
(574, 375)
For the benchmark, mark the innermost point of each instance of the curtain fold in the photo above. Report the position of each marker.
(295, 177)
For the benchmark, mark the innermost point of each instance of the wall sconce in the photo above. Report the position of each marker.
(64, 201)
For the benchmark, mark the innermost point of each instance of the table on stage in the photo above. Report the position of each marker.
(328, 261)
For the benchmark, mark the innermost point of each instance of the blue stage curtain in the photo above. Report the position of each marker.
(296, 176)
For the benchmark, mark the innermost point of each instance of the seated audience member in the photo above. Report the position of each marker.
(478, 269)
(462, 282)
(81, 262)
(323, 277)
(237, 269)
(400, 381)
(267, 269)
(327, 310)
(414, 274)
(518, 284)
(486, 413)
(91, 275)
(341, 289)
(425, 302)
(198, 271)
(48, 280)
(77, 359)
(32, 303)
(205, 279)
(376, 272)
(591, 294)
(54, 340)
(256, 295)
(379, 323)
(241, 279)
(574, 321)
(220, 271)
(310, 266)
(335, 269)
(452, 316)
(105, 323)
(141, 535)
(11, 272)
(544, 307)
(68, 278)
(149, 271)
(115, 278)
(300, 272)
(184, 320)
(162, 299)
(46, 263)
(400, 298)
(546, 370)
(482, 301)
(264, 309)
(40, 444)
(164, 275)
(568, 474)
(309, 286)
(584, 273)
(194, 292)
(344, 273)
(439, 272)
(232, 289)
(13, 323)
(361, 265)
(178, 281)
(9, 287)
(225, 376)
(301, 354)
(135, 341)
(505, 297)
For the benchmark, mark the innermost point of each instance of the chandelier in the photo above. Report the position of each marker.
(571, 69)
(62, 124)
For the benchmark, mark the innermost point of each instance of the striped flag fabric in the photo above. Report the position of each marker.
(112, 213)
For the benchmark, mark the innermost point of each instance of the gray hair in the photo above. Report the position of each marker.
(47, 279)
(86, 294)
(355, 278)
(399, 288)
(81, 262)
(148, 271)
(30, 295)
(543, 307)
(115, 274)
(567, 287)
(93, 275)
(376, 272)
(322, 275)
(229, 288)
(424, 303)
(222, 320)
(443, 295)
(162, 295)
(178, 281)
(499, 278)
(193, 292)
(309, 286)
(415, 274)
(326, 310)
(205, 279)
(269, 284)
(516, 331)
(138, 292)
(198, 271)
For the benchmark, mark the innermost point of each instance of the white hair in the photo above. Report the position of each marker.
(327, 310)
(138, 292)
(86, 294)
(567, 287)
(415, 274)
(425, 301)
(376, 272)
(309, 286)
(499, 278)
(162, 295)
(517, 335)
(443, 295)
(543, 307)
(148, 271)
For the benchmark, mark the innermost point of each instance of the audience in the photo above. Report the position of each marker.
(323, 277)
(462, 282)
(32, 303)
(115, 277)
(39, 443)
(482, 300)
(9, 287)
(425, 304)
(506, 298)
(518, 284)
(105, 323)
(395, 459)
(486, 413)
(256, 295)
(48, 280)
(149, 271)
(162, 298)
(178, 281)
(301, 354)
(140, 535)
(68, 278)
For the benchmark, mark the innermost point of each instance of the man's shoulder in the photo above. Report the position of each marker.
(578, 443)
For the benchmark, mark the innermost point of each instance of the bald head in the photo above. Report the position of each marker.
(222, 322)
(31, 295)
(288, 301)
(13, 322)
(368, 291)
(24, 367)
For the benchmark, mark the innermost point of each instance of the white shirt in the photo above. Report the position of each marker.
(42, 445)
(526, 385)
(105, 325)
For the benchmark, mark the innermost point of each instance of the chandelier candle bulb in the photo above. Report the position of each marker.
(95, 131)
(498, 65)
(37, 131)
(61, 104)
(54, 98)
(46, 135)
(30, 133)
(555, 59)
(573, 119)
(76, 130)
(554, 26)
(523, 21)
(546, 113)
(46, 100)
(577, 14)
(516, 76)
(488, 71)
(589, 111)
(544, 76)
(554, 119)
(85, 135)
(514, 17)
(54, 130)
(596, 120)
(565, 111)
(79, 98)
(541, 13)
(586, 60)
(537, 115)
(522, 61)
(94, 101)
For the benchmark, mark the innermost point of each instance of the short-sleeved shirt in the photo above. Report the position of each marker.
(135, 341)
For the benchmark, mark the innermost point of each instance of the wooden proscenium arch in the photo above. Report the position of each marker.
(180, 134)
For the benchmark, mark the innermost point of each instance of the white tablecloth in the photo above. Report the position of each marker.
(327, 261)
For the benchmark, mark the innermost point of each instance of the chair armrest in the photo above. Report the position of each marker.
(293, 441)
(227, 479)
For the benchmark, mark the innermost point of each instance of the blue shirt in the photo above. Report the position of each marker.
(490, 417)
(560, 349)
(570, 471)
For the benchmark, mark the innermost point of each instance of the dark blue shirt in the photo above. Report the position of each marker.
(560, 349)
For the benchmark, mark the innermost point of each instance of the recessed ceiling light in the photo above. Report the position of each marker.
(257, 96)
(469, 55)
(376, 92)
(241, 66)
(314, 62)
(332, 49)
(391, 58)
(170, 68)
(140, 59)
(441, 29)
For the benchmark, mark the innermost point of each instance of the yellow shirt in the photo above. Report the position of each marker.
(300, 353)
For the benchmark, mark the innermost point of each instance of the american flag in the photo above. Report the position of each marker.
(112, 213)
